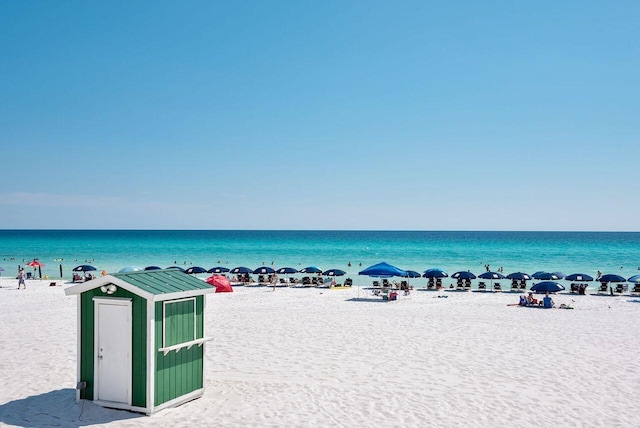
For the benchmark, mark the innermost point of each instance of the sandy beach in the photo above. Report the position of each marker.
(320, 357)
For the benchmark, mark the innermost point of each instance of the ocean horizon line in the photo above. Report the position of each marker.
(316, 230)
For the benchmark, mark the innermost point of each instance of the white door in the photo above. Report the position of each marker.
(113, 350)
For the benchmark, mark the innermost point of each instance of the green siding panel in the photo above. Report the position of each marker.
(178, 373)
(179, 322)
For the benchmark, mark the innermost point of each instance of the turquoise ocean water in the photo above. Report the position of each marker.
(110, 250)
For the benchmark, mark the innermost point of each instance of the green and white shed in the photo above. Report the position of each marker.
(141, 339)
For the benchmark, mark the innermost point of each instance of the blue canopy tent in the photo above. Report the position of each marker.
(382, 270)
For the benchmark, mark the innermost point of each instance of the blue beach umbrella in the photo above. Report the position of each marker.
(413, 274)
(635, 278)
(218, 269)
(545, 276)
(241, 269)
(286, 271)
(264, 270)
(334, 272)
(547, 286)
(153, 268)
(130, 269)
(195, 270)
(311, 269)
(435, 273)
(83, 268)
(383, 270)
(560, 275)
(463, 275)
(491, 275)
(536, 274)
(579, 277)
(520, 276)
(612, 278)
(176, 268)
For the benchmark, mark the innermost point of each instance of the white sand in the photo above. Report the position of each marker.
(309, 357)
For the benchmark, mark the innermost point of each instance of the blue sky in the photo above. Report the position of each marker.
(495, 115)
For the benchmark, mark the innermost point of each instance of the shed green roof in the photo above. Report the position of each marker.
(156, 285)
(163, 281)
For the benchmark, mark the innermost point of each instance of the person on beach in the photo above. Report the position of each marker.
(21, 279)
(531, 300)
(274, 280)
(547, 301)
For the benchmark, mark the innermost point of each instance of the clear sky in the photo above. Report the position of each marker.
(420, 115)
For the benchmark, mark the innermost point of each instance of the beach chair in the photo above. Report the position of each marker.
(604, 287)
(515, 285)
(459, 284)
(523, 285)
(431, 284)
(497, 287)
(620, 288)
(575, 288)
(467, 284)
(636, 289)
(76, 278)
(438, 282)
(482, 286)
(348, 282)
(29, 275)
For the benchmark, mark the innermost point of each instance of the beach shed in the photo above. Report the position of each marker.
(141, 339)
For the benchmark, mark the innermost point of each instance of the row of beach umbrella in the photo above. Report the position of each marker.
(385, 270)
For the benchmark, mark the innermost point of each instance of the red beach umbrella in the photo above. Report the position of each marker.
(221, 283)
(35, 263)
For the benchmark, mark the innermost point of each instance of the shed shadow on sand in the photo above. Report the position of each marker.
(59, 408)
(367, 299)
